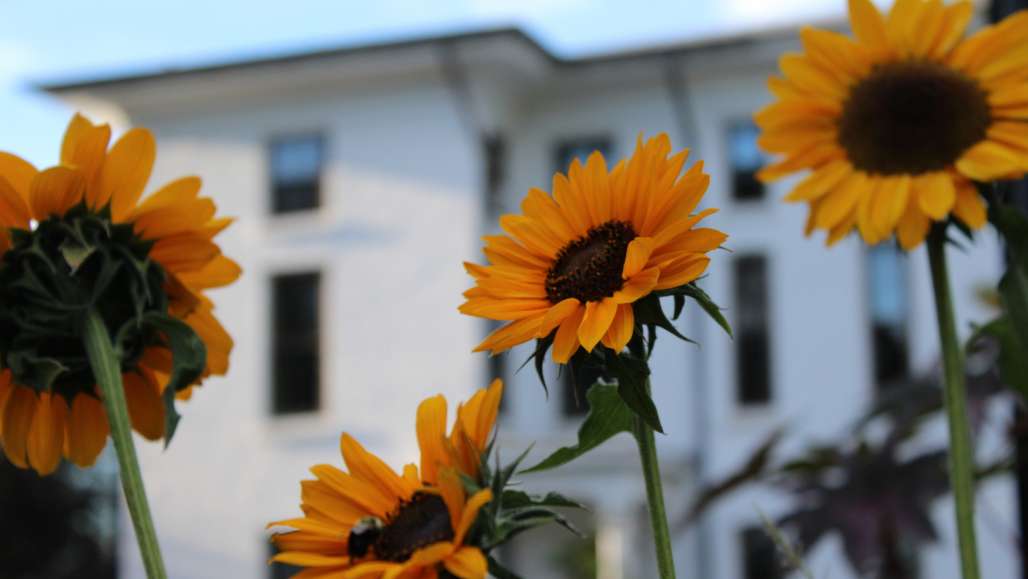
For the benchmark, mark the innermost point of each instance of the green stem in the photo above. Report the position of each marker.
(107, 370)
(655, 495)
(961, 463)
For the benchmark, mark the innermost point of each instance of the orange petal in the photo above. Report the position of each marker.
(46, 437)
(126, 171)
(597, 320)
(638, 255)
(566, 343)
(54, 191)
(146, 409)
(19, 412)
(621, 328)
(87, 431)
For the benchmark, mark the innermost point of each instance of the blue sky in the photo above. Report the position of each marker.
(62, 40)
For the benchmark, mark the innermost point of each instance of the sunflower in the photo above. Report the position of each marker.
(574, 263)
(375, 523)
(78, 235)
(468, 441)
(896, 123)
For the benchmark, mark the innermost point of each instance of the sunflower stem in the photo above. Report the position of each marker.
(961, 463)
(107, 370)
(655, 495)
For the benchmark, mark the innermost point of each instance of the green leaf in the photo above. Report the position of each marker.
(632, 375)
(499, 571)
(515, 499)
(1013, 225)
(608, 416)
(1013, 365)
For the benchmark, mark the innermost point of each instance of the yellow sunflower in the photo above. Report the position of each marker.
(463, 449)
(575, 262)
(168, 236)
(374, 523)
(896, 123)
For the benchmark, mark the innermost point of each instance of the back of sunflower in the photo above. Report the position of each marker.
(104, 320)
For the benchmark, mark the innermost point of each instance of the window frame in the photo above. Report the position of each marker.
(879, 386)
(728, 126)
(274, 409)
(272, 188)
(740, 330)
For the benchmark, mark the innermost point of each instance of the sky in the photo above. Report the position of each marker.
(64, 40)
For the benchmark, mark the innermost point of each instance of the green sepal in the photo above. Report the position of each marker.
(189, 358)
(648, 312)
(1013, 365)
(40, 372)
(1013, 226)
(608, 416)
(693, 291)
(171, 415)
(189, 354)
(515, 499)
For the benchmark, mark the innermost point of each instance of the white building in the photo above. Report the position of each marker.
(363, 176)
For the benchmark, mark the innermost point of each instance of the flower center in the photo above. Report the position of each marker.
(417, 523)
(912, 117)
(589, 268)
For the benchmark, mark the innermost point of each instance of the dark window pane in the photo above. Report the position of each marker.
(296, 173)
(760, 556)
(296, 342)
(745, 159)
(752, 350)
(494, 150)
(580, 148)
(887, 301)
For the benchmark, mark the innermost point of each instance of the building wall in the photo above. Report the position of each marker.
(403, 208)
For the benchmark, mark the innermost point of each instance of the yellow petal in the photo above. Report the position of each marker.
(621, 329)
(597, 320)
(18, 172)
(841, 202)
(821, 181)
(557, 314)
(936, 194)
(682, 271)
(126, 171)
(467, 563)
(84, 148)
(638, 255)
(868, 24)
(969, 206)
(14, 212)
(431, 429)
(565, 343)
(987, 161)
(639, 286)
(54, 191)
(912, 227)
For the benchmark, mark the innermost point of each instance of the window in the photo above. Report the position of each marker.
(280, 570)
(296, 164)
(579, 148)
(494, 151)
(296, 342)
(745, 159)
(888, 293)
(752, 350)
(760, 556)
